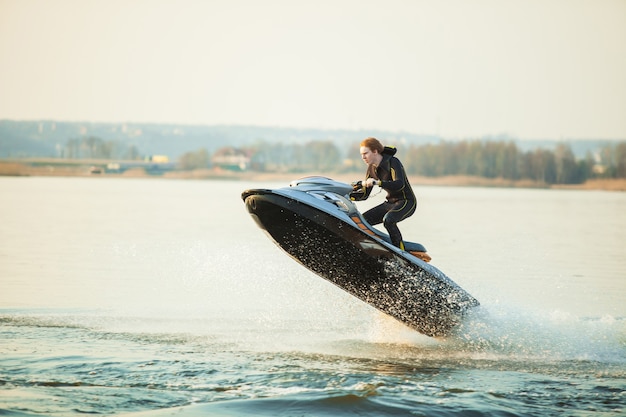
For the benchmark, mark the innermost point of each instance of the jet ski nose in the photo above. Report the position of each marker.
(251, 204)
(251, 197)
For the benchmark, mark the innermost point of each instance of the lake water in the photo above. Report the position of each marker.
(162, 297)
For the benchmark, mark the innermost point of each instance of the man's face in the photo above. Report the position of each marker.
(367, 155)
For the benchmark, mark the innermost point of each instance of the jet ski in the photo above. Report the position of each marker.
(317, 224)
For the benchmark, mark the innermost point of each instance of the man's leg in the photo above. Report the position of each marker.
(399, 212)
(375, 215)
(391, 224)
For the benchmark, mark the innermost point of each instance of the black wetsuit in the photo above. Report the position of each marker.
(401, 202)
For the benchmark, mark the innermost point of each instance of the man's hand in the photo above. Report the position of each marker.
(370, 182)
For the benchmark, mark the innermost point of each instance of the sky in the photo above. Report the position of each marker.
(530, 69)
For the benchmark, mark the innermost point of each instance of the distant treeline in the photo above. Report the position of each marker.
(468, 158)
(505, 160)
(489, 159)
(92, 147)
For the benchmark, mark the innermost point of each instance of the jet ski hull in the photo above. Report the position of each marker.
(328, 242)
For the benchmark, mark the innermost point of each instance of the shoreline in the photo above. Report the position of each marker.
(16, 169)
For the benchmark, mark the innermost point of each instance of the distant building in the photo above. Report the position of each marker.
(230, 158)
(152, 164)
(157, 159)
